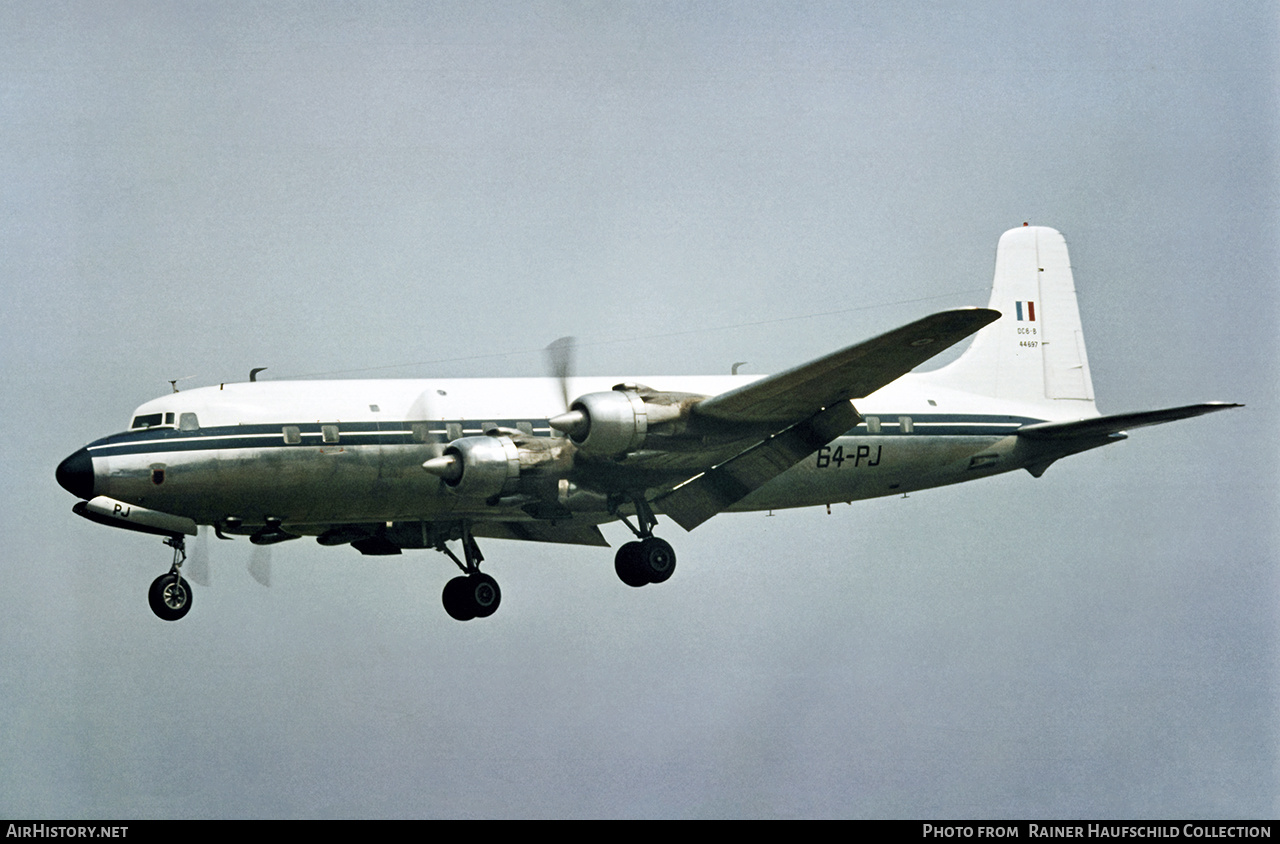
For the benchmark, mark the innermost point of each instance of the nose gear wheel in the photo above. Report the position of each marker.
(170, 594)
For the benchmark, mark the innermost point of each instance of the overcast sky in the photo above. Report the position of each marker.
(442, 189)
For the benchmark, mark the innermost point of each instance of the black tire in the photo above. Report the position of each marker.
(457, 602)
(657, 559)
(170, 597)
(485, 594)
(627, 564)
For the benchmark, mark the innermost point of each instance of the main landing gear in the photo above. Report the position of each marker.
(473, 594)
(170, 594)
(649, 560)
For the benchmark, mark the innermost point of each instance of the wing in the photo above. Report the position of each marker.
(807, 407)
(851, 373)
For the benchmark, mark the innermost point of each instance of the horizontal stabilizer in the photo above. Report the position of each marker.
(722, 486)
(850, 373)
(1102, 426)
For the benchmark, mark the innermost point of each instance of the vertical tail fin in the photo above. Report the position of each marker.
(1034, 353)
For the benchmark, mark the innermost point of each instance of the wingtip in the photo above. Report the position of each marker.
(988, 315)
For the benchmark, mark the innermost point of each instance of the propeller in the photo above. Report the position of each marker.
(560, 361)
(260, 564)
(196, 568)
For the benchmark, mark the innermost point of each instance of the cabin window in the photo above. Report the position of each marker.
(292, 435)
(188, 422)
(905, 424)
(329, 433)
(453, 431)
(873, 424)
(525, 428)
(421, 431)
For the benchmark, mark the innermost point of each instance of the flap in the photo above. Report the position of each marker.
(722, 486)
(568, 534)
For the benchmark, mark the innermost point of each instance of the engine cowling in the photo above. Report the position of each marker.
(614, 423)
(479, 467)
(606, 423)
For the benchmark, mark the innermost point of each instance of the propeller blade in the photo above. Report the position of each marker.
(196, 567)
(260, 564)
(560, 361)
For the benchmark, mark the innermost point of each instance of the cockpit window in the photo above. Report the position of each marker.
(151, 420)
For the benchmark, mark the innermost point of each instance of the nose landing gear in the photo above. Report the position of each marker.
(170, 594)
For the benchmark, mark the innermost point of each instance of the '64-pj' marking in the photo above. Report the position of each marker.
(827, 457)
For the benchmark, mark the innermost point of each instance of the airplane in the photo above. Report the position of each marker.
(388, 465)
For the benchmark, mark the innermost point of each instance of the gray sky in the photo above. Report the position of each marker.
(418, 189)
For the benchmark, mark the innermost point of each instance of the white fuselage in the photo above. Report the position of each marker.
(315, 454)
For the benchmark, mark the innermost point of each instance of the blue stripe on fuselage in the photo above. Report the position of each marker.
(401, 433)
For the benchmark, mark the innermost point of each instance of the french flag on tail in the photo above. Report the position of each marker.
(1026, 311)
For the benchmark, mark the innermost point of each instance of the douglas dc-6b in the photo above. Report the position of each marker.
(385, 465)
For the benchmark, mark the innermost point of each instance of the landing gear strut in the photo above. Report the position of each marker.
(170, 594)
(650, 560)
(473, 594)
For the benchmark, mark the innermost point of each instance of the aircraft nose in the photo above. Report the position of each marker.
(75, 474)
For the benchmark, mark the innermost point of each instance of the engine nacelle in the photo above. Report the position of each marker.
(479, 467)
(611, 423)
(618, 422)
